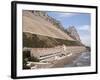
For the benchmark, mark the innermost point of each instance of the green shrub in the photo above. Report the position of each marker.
(24, 63)
(26, 54)
(26, 67)
(40, 41)
(34, 59)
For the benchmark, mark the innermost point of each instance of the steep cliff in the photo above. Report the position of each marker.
(41, 30)
(72, 32)
(41, 24)
(40, 41)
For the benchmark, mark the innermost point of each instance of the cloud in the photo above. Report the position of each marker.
(84, 32)
(63, 15)
(86, 39)
(84, 28)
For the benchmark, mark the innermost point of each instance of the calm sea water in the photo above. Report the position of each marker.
(83, 60)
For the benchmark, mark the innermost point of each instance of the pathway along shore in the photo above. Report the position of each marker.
(66, 60)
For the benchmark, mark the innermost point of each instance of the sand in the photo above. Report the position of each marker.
(66, 60)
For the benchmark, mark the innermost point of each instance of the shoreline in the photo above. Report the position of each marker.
(67, 60)
(58, 63)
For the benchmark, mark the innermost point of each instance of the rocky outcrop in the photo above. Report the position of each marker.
(40, 23)
(72, 32)
(40, 41)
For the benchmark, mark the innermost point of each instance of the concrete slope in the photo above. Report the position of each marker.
(38, 25)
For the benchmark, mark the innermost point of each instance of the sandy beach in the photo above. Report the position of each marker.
(66, 60)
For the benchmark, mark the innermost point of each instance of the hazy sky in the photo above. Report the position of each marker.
(81, 21)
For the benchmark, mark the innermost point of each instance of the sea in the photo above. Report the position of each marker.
(83, 60)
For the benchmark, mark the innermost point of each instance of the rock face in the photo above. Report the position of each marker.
(40, 23)
(40, 41)
(72, 32)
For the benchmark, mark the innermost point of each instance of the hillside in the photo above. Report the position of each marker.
(40, 41)
(72, 32)
(41, 31)
(36, 24)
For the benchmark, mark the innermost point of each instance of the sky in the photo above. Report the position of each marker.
(81, 21)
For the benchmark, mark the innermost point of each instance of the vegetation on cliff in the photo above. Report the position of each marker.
(26, 58)
(40, 41)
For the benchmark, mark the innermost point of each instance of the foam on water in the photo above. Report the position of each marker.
(83, 60)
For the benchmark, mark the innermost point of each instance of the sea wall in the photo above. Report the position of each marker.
(46, 52)
(52, 57)
(40, 52)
